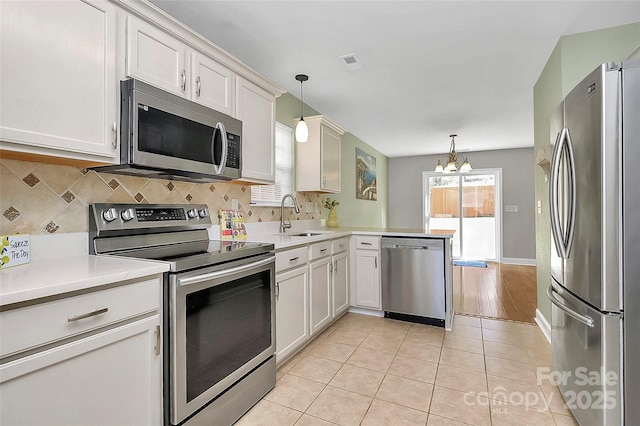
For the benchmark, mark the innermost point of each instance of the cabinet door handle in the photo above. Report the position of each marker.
(293, 259)
(183, 74)
(376, 261)
(114, 130)
(335, 266)
(198, 86)
(158, 340)
(88, 315)
(277, 291)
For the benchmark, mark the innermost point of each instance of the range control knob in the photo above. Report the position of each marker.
(192, 213)
(203, 213)
(110, 215)
(128, 214)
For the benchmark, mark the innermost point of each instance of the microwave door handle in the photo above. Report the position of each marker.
(223, 159)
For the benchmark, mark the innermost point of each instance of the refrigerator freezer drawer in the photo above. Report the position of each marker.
(587, 359)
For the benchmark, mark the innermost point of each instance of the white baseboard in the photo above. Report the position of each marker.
(366, 311)
(518, 261)
(544, 325)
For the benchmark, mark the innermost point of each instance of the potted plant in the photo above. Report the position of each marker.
(332, 221)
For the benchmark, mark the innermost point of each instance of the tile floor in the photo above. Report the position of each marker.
(367, 370)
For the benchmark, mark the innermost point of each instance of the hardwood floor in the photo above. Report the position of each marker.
(497, 291)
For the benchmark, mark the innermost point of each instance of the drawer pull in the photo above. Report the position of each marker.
(365, 244)
(323, 250)
(88, 315)
(293, 259)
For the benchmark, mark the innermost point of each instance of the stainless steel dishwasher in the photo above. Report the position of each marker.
(413, 286)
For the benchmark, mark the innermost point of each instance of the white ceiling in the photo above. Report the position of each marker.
(431, 67)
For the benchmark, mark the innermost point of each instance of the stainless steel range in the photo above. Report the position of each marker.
(218, 307)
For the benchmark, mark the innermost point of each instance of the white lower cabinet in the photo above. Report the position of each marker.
(292, 314)
(105, 369)
(319, 294)
(339, 277)
(312, 290)
(367, 272)
(105, 379)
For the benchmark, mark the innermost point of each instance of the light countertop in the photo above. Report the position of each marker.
(54, 276)
(289, 240)
(51, 276)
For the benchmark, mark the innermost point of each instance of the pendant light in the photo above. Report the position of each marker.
(302, 130)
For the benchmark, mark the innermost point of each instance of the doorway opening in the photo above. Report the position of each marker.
(467, 205)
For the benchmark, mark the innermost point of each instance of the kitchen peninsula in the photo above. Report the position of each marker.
(334, 270)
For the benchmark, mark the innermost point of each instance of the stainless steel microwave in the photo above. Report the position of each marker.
(168, 137)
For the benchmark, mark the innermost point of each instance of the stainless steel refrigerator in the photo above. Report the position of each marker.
(595, 246)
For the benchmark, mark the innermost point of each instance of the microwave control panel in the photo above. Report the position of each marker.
(233, 151)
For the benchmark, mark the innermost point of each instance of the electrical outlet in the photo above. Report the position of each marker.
(539, 206)
(308, 207)
(317, 208)
(234, 204)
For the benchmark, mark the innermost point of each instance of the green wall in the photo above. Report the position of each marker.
(573, 58)
(351, 211)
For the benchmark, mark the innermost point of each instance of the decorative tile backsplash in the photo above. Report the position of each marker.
(38, 198)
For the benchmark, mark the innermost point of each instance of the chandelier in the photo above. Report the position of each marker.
(454, 162)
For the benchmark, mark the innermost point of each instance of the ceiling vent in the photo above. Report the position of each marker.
(352, 62)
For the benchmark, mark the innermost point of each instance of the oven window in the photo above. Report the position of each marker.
(227, 326)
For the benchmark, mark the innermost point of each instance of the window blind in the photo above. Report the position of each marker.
(271, 195)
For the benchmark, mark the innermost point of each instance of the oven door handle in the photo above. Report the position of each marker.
(225, 272)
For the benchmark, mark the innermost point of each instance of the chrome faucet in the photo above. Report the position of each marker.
(283, 225)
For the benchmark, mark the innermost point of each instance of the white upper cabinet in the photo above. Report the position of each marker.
(318, 159)
(212, 84)
(62, 63)
(155, 57)
(257, 109)
(58, 78)
(161, 60)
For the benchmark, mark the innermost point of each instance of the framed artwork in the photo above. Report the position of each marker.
(365, 176)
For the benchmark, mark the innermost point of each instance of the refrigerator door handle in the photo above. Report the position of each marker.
(556, 231)
(572, 195)
(588, 321)
(563, 237)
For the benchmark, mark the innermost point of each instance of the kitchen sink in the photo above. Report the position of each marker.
(305, 234)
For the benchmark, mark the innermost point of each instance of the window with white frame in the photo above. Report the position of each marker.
(271, 195)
